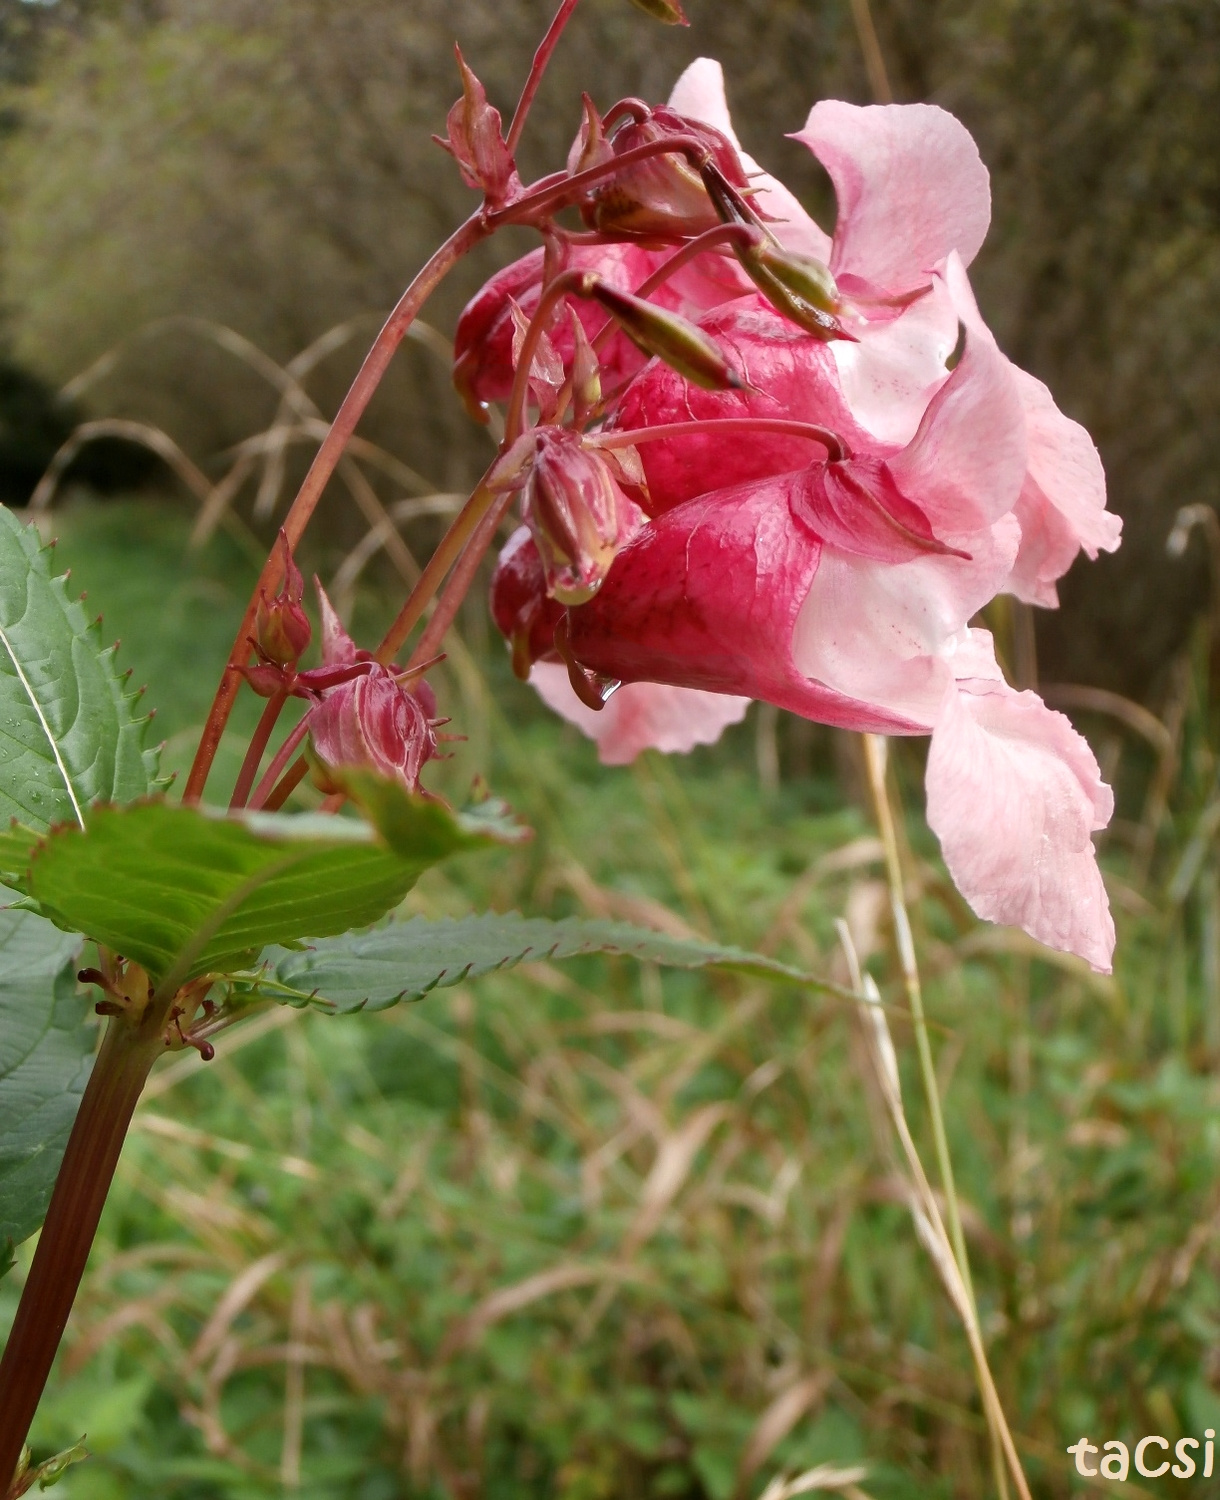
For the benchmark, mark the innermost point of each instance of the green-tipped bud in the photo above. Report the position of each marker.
(798, 286)
(803, 275)
(667, 11)
(680, 344)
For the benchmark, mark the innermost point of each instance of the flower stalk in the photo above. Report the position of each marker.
(130, 1047)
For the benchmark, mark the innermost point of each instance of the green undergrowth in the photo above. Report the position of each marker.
(599, 1232)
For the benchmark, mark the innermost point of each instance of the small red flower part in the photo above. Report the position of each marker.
(476, 142)
(376, 721)
(574, 505)
(281, 626)
(373, 723)
(525, 614)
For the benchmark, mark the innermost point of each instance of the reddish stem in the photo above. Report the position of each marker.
(459, 584)
(123, 1063)
(563, 284)
(258, 743)
(831, 441)
(262, 792)
(291, 781)
(537, 68)
(375, 364)
(551, 191)
(449, 549)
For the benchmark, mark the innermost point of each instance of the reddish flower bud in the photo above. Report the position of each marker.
(476, 142)
(281, 626)
(373, 723)
(578, 513)
(672, 338)
(520, 605)
(662, 197)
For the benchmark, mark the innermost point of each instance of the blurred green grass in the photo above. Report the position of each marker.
(299, 1285)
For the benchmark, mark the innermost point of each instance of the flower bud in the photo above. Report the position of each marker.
(372, 723)
(799, 286)
(585, 373)
(476, 141)
(662, 197)
(520, 606)
(672, 338)
(668, 12)
(578, 514)
(281, 626)
(591, 147)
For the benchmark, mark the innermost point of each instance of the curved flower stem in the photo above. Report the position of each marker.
(722, 234)
(554, 192)
(291, 780)
(376, 362)
(831, 441)
(262, 792)
(254, 753)
(448, 550)
(459, 584)
(127, 1054)
(875, 755)
(537, 68)
(566, 282)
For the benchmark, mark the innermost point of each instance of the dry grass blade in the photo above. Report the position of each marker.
(926, 1214)
(241, 1292)
(347, 574)
(824, 1477)
(144, 433)
(511, 1299)
(672, 1167)
(777, 1421)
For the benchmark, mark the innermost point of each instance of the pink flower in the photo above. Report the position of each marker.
(838, 578)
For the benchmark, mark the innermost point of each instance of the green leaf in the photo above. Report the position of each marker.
(46, 1049)
(187, 891)
(68, 732)
(404, 961)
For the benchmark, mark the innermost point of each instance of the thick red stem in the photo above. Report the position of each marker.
(459, 584)
(375, 364)
(123, 1063)
(537, 68)
(552, 192)
(283, 755)
(254, 754)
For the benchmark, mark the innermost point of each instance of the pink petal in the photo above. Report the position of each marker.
(699, 93)
(640, 715)
(707, 596)
(888, 634)
(966, 463)
(889, 377)
(910, 185)
(1013, 794)
(795, 378)
(1063, 500)
(855, 507)
(1066, 467)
